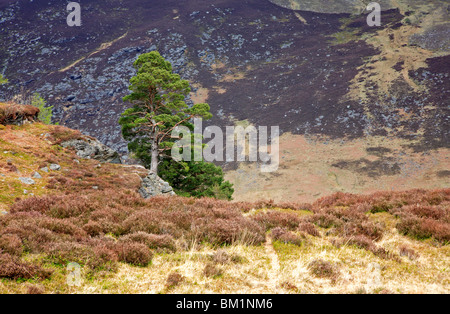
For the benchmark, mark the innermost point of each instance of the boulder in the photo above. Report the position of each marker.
(36, 175)
(55, 167)
(27, 181)
(92, 149)
(152, 185)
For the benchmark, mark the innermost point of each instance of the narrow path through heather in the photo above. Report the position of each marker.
(274, 272)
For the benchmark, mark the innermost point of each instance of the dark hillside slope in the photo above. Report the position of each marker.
(249, 59)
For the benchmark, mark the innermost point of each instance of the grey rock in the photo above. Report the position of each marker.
(45, 169)
(28, 181)
(93, 149)
(55, 167)
(152, 185)
(36, 175)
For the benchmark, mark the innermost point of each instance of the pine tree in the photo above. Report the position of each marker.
(158, 97)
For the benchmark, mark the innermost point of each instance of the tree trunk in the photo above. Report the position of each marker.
(155, 157)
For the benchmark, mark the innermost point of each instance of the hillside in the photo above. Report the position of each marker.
(80, 210)
(314, 68)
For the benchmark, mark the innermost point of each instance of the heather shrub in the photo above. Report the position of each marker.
(173, 280)
(309, 228)
(347, 222)
(161, 243)
(227, 231)
(104, 259)
(11, 244)
(424, 228)
(32, 204)
(273, 219)
(361, 242)
(413, 227)
(93, 228)
(199, 223)
(25, 227)
(365, 228)
(408, 252)
(324, 220)
(33, 289)
(62, 134)
(423, 211)
(211, 270)
(285, 236)
(381, 207)
(323, 269)
(384, 254)
(133, 253)
(53, 206)
(63, 226)
(12, 268)
(148, 221)
(366, 243)
(69, 252)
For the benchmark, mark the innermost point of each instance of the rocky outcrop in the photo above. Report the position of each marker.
(92, 149)
(152, 185)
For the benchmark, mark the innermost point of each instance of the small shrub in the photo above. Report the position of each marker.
(11, 244)
(408, 252)
(12, 268)
(133, 253)
(162, 243)
(273, 219)
(221, 257)
(33, 289)
(362, 228)
(288, 286)
(3, 80)
(211, 270)
(325, 220)
(62, 134)
(285, 236)
(173, 280)
(323, 269)
(424, 228)
(362, 242)
(46, 112)
(309, 228)
(64, 253)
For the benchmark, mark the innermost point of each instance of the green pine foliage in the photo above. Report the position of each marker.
(46, 112)
(158, 98)
(3, 80)
(196, 179)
